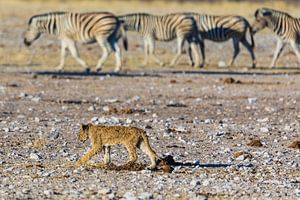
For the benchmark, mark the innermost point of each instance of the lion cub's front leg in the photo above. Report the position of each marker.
(93, 151)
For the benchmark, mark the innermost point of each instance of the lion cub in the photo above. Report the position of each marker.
(131, 137)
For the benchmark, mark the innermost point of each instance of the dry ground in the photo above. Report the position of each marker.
(205, 119)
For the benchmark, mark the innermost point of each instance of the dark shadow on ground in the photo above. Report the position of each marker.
(151, 73)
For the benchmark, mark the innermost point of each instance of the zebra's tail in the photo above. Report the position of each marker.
(251, 35)
(124, 36)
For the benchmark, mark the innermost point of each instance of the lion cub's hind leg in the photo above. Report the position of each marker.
(145, 147)
(106, 159)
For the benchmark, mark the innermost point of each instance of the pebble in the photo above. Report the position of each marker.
(129, 195)
(54, 134)
(91, 108)
(34, 156)
(264, 129)
(105, 191)
(252, 100)
(145, 196)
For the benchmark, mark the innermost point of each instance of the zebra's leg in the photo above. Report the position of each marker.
(296, 48)
(236, 47)
(180, 42)
(74, 52)
(202, 49)
(60, 67)
(195, 52)
(106, 49)
(115, 47)
(152, 52)
(250, 49)
(146, 51)
(190, 56)
(279, 47)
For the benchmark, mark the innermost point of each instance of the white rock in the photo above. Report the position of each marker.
(145, 196)
(129, 195)
(115, 120)
(111, 100)
(206, 182)
(105, 191)
(91, 108)
(6, 130)
(48, 193)
(181, 129)
(297, 192)
(94, 119)
(129, 121)
(252, 100)
(34, 156)
(208, 121)
(195, 182)
(222, 64)
(102, 120)
(264, 129)
(36, 99)
(106, 108)
(54, 134)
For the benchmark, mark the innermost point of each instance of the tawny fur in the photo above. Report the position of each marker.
(102, 137)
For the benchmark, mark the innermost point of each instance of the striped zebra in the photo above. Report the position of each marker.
(286, 27)
(163, 28)
(101, 27)
(223, 28)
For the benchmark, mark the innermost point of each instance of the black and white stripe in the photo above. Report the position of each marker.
(223, 28)
(286, 27)
(163, 28)
(101, 27)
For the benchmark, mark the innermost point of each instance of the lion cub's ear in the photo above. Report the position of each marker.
(85, 127)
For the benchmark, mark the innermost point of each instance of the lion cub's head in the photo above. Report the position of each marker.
(84, 132)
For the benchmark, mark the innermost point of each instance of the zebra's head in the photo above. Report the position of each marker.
(261, 19)
(32, 33)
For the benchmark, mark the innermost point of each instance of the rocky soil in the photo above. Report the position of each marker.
(231, 136)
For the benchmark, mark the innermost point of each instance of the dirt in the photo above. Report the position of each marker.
(223, 133)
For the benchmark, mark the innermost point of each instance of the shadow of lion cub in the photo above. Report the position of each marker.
(102, 137)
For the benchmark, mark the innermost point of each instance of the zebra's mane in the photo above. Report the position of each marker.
(278, 12)
(135, 14)
(45, 15)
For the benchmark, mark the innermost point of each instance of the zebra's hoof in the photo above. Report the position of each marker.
(87, 70)
(98, 69)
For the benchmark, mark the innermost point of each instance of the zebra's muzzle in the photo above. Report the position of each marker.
(27, 43)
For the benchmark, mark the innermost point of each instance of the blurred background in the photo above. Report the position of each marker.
(45, 52)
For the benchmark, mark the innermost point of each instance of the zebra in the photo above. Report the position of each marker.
(286, 27)
(102, 27)
(222, 28)
(163, 28)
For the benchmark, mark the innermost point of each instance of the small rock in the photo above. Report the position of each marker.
(295, 145)
(105, 191)
(208, 121)
(34, 156)
(129, 195)
(255, 143)
(145, 196)
(49, 193)
(264, 129)
(111, 100)
(195, 183)
(6, 130)
(252, 100)
(54, 134)
(91, 108)
(106, 108)
(222, 64)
